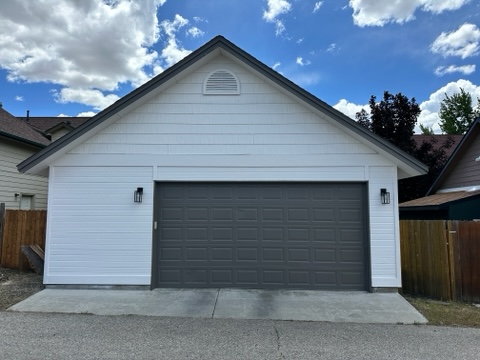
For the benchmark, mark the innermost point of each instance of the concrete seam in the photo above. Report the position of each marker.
(215, 305)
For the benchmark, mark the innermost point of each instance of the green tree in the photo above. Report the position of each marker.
(426, 130)
(457, 113)
(394, 119)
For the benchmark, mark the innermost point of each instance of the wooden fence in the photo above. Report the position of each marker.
(17, 228)
(441, 259)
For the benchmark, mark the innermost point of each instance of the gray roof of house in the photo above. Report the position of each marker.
(219, 42)
(46, 124)
(16, 129)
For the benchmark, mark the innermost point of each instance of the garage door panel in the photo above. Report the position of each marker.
(298, 255)
(265, 235)
(191, 234)
(222, 234)
(298, 234)
(247, 234)
(273, 255)
(324, 214)
(222, 254)
(272, 234)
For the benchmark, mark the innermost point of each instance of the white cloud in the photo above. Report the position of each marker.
(439, 6)
(333, 49)
(276, 65)
(82, 114)
(381, 12)
(86, 44)
(430, 108)
(173, 52)
(276, 8)
(87, 114)
(301, 62)
(317, 6)
(195, 32)
(91, 97)
(19, 98)
(463, 42)
(464, 69)
(350, 109)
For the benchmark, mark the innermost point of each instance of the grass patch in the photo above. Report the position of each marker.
(447, 313)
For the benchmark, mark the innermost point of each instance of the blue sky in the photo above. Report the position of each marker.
(61, 57)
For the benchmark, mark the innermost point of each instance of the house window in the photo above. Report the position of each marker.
(26, 202)
(221, 82)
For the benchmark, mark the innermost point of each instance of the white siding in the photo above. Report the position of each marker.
(12, 181)
(96, 234)
(260, 135)
(384, 228)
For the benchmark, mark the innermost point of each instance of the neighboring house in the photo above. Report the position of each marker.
(18, 141)
(247, 181)
(54, 127)
(455, 194)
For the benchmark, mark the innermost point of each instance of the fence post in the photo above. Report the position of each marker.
(451, 257)
(2, 219)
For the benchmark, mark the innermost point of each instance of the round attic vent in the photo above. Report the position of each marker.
(221, 82)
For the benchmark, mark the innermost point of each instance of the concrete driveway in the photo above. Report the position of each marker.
(304, 305)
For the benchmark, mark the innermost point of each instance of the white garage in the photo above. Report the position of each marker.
(242, 179)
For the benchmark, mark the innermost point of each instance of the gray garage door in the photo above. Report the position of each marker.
(261, 235)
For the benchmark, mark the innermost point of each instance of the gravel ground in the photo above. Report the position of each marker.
(16, 286)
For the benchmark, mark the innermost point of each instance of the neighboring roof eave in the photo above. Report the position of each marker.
(57, 127)
(474, 128)
(219, 42)
(22, 140)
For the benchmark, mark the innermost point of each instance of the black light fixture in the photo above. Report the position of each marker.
(138, 194)
(385, 196)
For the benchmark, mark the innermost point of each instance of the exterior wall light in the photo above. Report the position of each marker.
(385, 196)
(138, 195)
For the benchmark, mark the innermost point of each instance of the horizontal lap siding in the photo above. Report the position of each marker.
(261, 120)
(182, 135)
(384, 228)
(12, 181)
(467, 171)
(97, 234)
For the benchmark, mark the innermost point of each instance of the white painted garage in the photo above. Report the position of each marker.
(217, 126)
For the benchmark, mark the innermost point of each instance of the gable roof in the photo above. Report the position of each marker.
(18, 130)
(47, 125)
(37, 163)
(472, 135)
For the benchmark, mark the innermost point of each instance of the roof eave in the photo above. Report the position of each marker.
(22, 140)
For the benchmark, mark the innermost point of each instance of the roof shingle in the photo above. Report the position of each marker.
(13, 127)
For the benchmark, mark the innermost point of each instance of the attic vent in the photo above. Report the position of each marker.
(221, 82)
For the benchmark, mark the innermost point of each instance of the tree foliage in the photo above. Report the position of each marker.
(394, 119)
(457, 113)
(426, 130)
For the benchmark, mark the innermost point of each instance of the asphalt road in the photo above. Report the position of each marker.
(61, 336)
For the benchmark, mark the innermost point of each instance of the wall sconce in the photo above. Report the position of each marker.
(385, 196)
(138, 194)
